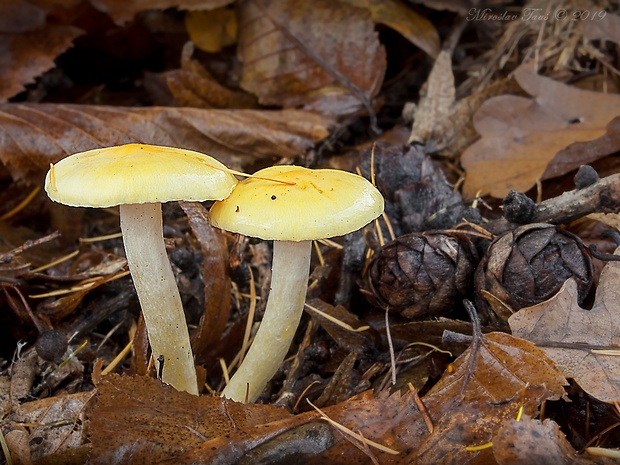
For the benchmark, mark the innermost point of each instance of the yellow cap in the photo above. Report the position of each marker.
(137, 173)
(298, 204)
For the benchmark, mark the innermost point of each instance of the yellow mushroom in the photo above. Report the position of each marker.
(292, 206)
(139, 178)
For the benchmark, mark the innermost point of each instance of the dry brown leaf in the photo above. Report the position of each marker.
(212, 30)
(584, 343)
(324, 55)
(140, 421)
(55, 426)
(529, 441)
(520, 136)
(414, 27)
(487, 387)
(504, 364)
(305, 437)
(216, 277)
(606, 27)
(585, 153)
(483, 388)
(20, 16)
(122, 11)
(33, 136)
(193, 86)
(436, 105)
(29, 54)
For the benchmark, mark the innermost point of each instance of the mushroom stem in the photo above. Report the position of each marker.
(141, 225)
(289, 282)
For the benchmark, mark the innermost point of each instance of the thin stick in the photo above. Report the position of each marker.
(388, 224)
(250, 321)
(21, 205)
(120, 356)
(335, 320)
(427, 417)
(224, 370)
(87, 240)
(391, 348)
(319, 254)
(56, 262)
(5, 449)
(475, 344)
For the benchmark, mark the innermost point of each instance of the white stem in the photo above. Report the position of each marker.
(141, 225)
(289, 282)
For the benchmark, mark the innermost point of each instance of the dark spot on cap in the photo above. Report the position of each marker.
(273, 197)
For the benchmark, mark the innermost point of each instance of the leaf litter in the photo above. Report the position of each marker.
(307, 85)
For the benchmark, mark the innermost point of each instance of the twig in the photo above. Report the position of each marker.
(602, 196)
(475, 343)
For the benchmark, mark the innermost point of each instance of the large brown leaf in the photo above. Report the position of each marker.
(487, 386)
(324, 54)
(33, 136)
(29, 54)
(520, 135)
(141, 421)
(414, 27)
(216, 277)
(584, 343)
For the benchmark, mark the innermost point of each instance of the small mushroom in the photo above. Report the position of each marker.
(139, 178)
(292, 206)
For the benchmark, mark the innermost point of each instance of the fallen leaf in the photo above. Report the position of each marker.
(602, 26)
(323, 55)
(530, 441)
(33, 136)
(29, 54)
(411, 25)
(193, 86)
(585, 153)
(122, 11)
(55, 426)
(485, 386)
(20, 16)
(140, 421)
(307, 438)
(216, 279)
(584, 343)
(501, 366)
(520, 136)
(437, 104)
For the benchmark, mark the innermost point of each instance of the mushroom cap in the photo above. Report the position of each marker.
(320, 204)
(137, 173)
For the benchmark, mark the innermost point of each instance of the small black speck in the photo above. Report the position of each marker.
(273, 197)
(237, 209)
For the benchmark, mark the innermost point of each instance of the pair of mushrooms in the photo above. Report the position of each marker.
(290, 205)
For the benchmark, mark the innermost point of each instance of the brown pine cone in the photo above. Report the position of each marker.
(528, 265)
(421, 275)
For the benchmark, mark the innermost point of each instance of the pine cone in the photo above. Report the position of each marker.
(420, 275)
(528, 265)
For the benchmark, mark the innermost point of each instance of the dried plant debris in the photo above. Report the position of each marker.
(520, 135)
(583, 343)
